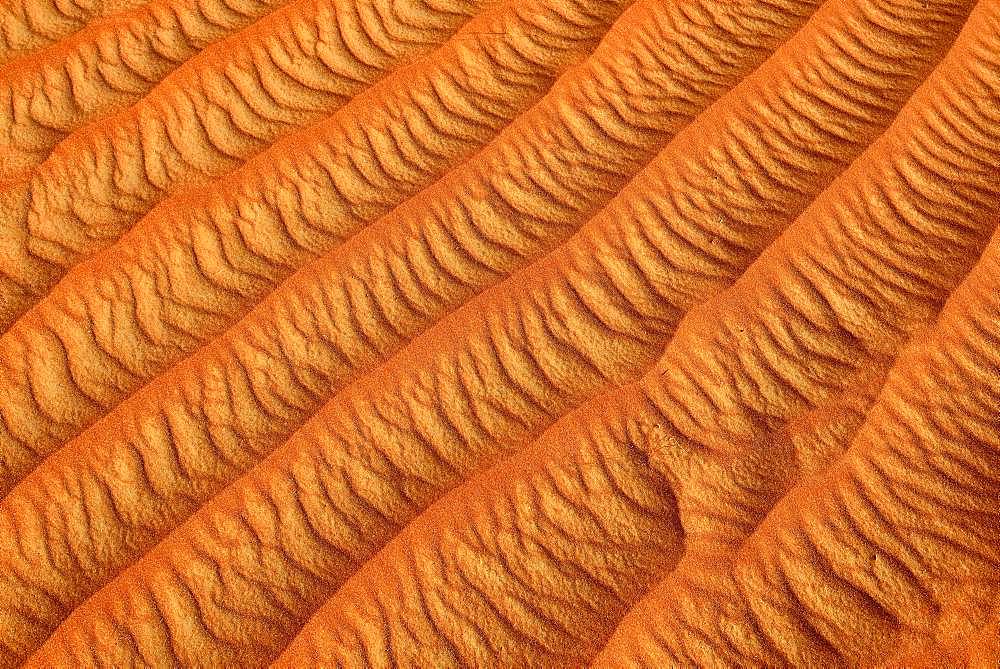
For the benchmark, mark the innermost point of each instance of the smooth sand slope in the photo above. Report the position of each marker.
(499, 333)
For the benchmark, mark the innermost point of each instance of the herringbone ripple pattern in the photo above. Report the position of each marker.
(499, 333)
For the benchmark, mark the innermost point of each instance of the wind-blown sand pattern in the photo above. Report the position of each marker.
(499, 333)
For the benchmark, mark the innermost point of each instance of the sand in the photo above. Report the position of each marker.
(499, 333)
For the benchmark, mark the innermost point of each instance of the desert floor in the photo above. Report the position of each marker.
(500, 333)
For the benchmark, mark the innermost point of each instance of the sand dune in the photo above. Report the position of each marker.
(499, 333)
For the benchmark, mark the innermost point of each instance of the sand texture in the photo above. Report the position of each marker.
(500, 333)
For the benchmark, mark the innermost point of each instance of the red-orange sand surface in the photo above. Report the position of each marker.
(499, 333)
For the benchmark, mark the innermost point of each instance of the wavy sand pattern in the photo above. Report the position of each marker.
(499, 333)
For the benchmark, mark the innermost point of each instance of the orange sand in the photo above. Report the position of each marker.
(499, 333)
